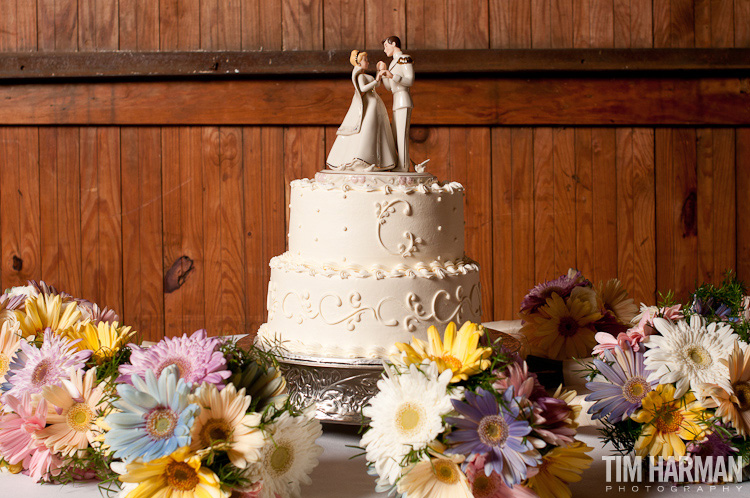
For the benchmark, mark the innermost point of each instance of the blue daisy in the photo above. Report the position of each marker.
(155, 417)
(492, 429)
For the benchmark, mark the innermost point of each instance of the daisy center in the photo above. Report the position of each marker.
(4, 364)
(181, 476)
(742, 391)
(635, 389)
(281, 459)
(79, 417)
(493, 430)
(568, 326)
(182, 364)
(215, 430)
(409, 418)
(445, 471)
(453, 363)
(699, 356)
(160, 423)
(669, 421)
(40, 373)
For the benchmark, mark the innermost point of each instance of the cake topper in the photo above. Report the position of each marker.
(364, 141)
(398, 77)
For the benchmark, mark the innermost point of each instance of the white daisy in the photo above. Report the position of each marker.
(288, 456)
(689, 353)
(406, 414)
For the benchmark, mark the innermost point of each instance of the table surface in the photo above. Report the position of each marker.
(341, 475)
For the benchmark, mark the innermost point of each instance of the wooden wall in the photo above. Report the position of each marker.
(107, 212)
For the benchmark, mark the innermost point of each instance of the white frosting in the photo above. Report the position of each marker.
(362, 225)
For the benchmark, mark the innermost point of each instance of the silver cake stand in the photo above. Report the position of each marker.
(340, 387)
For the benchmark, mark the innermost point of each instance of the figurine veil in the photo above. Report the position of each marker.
(364, 140)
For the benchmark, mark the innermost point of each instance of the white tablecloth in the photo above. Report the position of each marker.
(340, 476)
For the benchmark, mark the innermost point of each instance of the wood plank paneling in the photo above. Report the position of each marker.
(212, 227)
(428, 24)
(522, 158)
(742, 182)
(544, 205)
(384, 18)
(261, 25)
(143, 302)
(605, 203)
(344, 24)
(502, 222)
(510, 24)
(302, 24)
(625, 165)
(179, 24)
(563, 156)
(584, 190)
(468, 24)
(139, 25)
(98, 25)
(644, 213)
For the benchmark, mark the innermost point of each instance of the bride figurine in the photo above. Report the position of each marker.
(364, 140)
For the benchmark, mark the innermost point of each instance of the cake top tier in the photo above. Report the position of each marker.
(374, 180)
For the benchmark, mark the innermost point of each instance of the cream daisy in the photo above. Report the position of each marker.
(438, 477)
(689, 353)
(73, 409)
(288, 456)
(9, 344)
(614, 298)
(733, 405)
(406, 415)
(224, 424)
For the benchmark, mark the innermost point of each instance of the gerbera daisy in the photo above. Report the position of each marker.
(8, 307)
(689, 353)
(155, 417)
(669, 422)
(438, 477)
(288, 456)
(733, 405)
(9, 344)
(73, 409)
(406, 414)
(36, 368)
(178, 475)
(614, 298)
(525, 383)
(562, 329)
(555, 417)
(627, 385)
(224, 424)
(17, 442)
(196, 357)
(47, 311)
(492, 429)
(562, 465)
(264, 386)
(492, 486)
(562, 286)
(91, 311)
(104, 339)
(459, 352)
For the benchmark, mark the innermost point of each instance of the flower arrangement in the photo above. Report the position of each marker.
(561, 317)
(677, 383)
(189, 416)
(453, 418)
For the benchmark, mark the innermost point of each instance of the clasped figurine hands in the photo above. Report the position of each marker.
(383, 71)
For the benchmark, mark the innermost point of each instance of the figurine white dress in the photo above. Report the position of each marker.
(364, 140)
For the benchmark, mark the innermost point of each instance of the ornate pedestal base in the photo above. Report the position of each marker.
(341, 387)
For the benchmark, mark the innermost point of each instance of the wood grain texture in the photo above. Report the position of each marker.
(523, 265)
(605, 203)
(561, 23)
(98, 25)
(584, 190)
(212, 227)
(741, 26)
(179, 24)
(544, 205)
(644, 212)
(595, 101)
(384, 18)
(468, 24)
(742, 182)
(302, 24)
(502, 222)
(510, 23)
(143, 303)
(563, 156)
(428, 24)
(139, 25)
(625, 165)
(262, 25)
(305, 153)
(344, 24)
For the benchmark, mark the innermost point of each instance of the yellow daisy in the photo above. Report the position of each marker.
(104, 339)
(224, 424)
(614, 297)
(562, 465)
(178, 475)
(10, 340)
(733, 406)
(562, 329)
(669, 422)
(74, 408)
(46, 310)
(459, 352)
(438, 477)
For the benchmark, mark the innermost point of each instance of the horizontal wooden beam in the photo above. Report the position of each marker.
(438, 101)
(46, 65)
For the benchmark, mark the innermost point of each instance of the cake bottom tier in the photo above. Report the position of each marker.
(330, 316)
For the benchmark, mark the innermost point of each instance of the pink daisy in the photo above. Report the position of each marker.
(17, 441)
(36, 368)
(196, 357)
(493, 486)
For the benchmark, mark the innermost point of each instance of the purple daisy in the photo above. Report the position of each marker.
(628, 385)
(491, 429)
(95, 314)
(562, 286)
(35, 368)
(196, 357)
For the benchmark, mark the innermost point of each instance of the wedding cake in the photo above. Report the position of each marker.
(373, 259)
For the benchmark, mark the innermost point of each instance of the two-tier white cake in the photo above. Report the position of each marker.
(373, 259)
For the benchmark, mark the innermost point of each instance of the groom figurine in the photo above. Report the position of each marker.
(398, 78)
